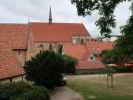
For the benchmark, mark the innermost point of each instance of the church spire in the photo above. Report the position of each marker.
(50, 16)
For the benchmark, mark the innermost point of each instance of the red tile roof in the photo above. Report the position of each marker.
(57, 32)
(15, 34)
(16, 40)
(77, 51)
(16, 37)
(9, 65)
(99, 46)
(13, 27)
(83, 52)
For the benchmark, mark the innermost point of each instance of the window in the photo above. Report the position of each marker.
(76, 40)
(92, 57)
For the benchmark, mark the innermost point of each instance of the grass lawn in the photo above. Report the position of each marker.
(93, 87)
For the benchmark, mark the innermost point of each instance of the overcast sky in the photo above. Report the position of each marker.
(18, 11)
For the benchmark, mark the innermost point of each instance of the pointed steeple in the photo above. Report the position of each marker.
(50, 15)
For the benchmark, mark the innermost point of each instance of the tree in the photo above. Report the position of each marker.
(105, 10)
(113, 56)
(125, 42)
(122, 52)
(69, 64)
(45, 69)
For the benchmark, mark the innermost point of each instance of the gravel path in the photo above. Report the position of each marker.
(65, 93)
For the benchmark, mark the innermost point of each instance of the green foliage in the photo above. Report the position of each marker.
(48, 67)
(22, 91)
(69, 64)
(110, 57)
(126, 41)
(105, 10)
(122, 69)
(45, 69)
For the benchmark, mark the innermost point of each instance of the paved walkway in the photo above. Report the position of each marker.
(65, 93)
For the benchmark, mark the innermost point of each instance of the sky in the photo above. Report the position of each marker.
(20, 11)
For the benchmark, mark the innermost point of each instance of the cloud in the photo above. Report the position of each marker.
(62, 11)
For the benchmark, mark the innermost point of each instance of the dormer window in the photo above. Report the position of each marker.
(76, 39)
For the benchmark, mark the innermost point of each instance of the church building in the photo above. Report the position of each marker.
(24, 41)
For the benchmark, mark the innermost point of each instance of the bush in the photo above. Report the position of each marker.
(22, 91)
(121, 69)
(45, 69)
(69, 64)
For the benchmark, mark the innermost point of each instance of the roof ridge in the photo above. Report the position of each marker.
(55, 23)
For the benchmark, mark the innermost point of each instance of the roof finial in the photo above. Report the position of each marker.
(50, 15)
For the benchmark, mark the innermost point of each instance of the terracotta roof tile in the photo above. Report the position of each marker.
(15, 34)
(13, 27)
(57, 31)
(99, 45)
(75, 50)
(83, 52)
(9, 65)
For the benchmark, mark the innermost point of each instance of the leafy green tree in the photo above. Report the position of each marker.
(46, 69)
(125, 42)
(122, 52)
(113, 56)
(105, 10)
